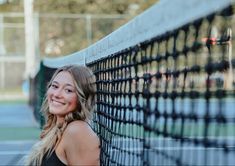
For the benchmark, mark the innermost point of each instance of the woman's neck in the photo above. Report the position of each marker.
(59, 120)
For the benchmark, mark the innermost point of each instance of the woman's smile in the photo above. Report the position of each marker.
(57, 102)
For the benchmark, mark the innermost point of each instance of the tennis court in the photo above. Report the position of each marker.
(19, 131)
(169, 152)
(165, 86)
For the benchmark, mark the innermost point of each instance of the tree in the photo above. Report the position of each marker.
(63, 36)
(92, 6)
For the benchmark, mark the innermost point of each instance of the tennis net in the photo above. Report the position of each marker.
(165, 86)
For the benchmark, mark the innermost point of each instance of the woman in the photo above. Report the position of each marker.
(67, 138)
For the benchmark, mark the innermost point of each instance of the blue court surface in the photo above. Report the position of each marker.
(19, 131)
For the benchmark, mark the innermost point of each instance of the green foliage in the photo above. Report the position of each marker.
(73, 32)
(64, 35)
(12, 6)
(91, 6)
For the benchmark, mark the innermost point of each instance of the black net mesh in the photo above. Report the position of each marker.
(170, 100)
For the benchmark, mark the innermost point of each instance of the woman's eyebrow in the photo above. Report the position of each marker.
(70, 85)
(67, 84)
(54, 82)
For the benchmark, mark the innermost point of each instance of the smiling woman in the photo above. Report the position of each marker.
(62, 97)
(67, 138)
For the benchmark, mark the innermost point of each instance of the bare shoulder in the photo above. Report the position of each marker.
(76, 127)
(80, 131)
(81, 144)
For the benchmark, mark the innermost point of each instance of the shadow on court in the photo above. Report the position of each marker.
(19, 131)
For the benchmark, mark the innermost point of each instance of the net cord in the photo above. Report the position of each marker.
(162, 17)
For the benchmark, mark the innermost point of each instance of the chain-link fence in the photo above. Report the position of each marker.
(54, 35)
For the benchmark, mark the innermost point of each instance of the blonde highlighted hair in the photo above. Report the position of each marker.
(51, 134)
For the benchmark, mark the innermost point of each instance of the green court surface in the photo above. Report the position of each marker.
(19, 133)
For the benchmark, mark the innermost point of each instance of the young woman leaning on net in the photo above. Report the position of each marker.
(67, 138)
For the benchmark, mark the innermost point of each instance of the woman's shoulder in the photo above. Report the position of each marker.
(80, 144)
(76, 126)
(81, 135)
(78, 129)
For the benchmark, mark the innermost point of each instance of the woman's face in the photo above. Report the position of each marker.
(62, 97)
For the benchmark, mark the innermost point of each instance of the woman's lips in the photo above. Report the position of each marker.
(56, 102)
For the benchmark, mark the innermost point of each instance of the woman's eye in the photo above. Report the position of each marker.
(68, 90)
(54, 86)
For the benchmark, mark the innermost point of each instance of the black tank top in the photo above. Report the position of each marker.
(52, 160)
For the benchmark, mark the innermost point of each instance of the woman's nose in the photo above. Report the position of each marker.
(58, 93)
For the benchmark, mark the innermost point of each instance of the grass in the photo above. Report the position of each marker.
(19, 133)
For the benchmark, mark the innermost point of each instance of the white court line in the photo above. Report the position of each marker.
(13, 152)
(18, 142)
(16, 152)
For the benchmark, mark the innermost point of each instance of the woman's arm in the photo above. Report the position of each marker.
(81, 144)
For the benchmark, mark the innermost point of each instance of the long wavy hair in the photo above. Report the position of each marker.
(51, 134)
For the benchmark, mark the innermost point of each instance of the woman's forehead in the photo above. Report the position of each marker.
(64, 77)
